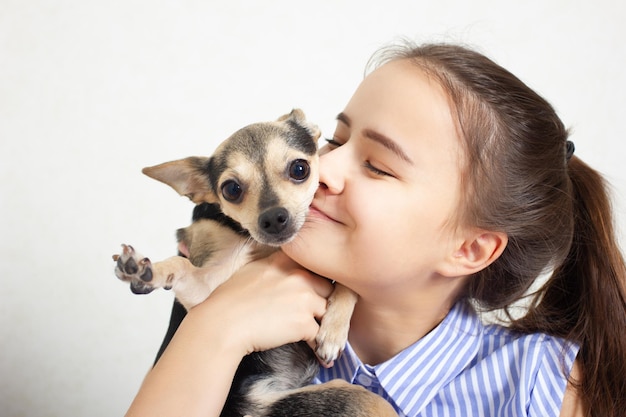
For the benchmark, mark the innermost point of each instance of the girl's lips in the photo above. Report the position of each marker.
(314, 211)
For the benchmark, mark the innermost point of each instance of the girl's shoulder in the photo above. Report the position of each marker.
(497, 337)
(535, 364)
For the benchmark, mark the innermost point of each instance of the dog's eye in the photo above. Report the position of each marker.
(299, 170)
(232, 191)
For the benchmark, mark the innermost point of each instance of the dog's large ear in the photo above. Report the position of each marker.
(189, 177)
(297, 117)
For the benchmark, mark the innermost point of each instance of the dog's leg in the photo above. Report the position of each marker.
(333, 332)
(175, 272)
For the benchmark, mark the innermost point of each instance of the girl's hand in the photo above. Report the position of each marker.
(268, 303)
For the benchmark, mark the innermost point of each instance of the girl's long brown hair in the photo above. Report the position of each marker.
(554, 208)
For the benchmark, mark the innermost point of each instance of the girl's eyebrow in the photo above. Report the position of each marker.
(379, 138)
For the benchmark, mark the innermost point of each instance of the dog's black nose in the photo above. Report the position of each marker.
(274, 220)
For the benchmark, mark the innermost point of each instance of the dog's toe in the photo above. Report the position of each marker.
(146, 266)
(328, 352)
(130, 266)
(140, 287)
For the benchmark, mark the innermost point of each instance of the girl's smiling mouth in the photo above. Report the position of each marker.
(316, 212)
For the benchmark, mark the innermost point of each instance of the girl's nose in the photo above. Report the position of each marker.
(332, 171)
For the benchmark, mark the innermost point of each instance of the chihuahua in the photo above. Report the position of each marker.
(255, 191)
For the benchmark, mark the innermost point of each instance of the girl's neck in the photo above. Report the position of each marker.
(378, 331)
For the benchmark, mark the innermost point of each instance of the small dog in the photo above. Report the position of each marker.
(255, 191)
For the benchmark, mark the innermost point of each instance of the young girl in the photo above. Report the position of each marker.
(447, 185)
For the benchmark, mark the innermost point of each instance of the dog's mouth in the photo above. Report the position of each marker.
(275, 239)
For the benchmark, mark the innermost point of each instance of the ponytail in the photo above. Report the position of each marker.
(585, 298)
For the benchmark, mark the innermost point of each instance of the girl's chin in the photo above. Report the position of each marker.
(302, 252)
(296, 250)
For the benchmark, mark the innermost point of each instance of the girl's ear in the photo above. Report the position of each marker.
(474, 253)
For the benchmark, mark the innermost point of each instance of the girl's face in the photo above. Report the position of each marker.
(382, 217)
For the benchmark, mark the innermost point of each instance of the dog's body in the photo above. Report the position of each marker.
(256, 190)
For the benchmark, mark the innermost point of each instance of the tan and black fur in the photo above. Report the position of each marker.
(257, 187)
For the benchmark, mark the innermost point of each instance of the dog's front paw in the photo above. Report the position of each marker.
(333, 333)
(330, 343)
(133, 268)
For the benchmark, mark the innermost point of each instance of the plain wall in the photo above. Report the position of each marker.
(92, 91)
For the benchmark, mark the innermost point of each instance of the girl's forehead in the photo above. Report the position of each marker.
(402, 99)
(404, 85)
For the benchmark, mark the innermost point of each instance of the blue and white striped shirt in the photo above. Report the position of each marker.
(465, 368)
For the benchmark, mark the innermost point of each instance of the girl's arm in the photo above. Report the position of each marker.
(266, 304)
(572, 401)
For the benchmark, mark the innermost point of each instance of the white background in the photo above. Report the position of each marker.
(92, 91)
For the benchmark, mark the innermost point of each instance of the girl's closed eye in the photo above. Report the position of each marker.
(376, 171)
(333, 143)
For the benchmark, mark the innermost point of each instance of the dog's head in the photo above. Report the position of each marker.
(264, 176)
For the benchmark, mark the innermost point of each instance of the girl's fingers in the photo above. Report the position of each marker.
(271, 302)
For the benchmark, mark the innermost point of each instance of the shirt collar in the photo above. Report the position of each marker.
(414, 376)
